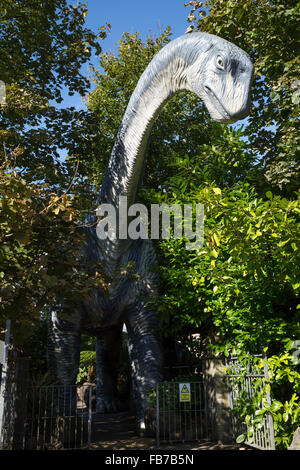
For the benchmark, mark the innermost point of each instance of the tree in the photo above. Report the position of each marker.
(266, 30)
(245, 279)
(240, 292)
(44, 45)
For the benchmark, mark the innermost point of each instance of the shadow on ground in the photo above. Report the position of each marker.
(117, 431)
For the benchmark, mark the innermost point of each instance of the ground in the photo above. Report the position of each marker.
(117, 431)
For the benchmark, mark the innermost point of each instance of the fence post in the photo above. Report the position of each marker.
(90, 417)
(215, 377)
(157, 416)
(20, 405)
(268, 398)
(4, 378)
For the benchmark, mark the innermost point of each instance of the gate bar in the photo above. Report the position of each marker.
(157, 416)
(90, 416)
(4, 378)
(268, 398)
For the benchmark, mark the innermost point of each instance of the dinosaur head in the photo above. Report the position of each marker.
(221, 76)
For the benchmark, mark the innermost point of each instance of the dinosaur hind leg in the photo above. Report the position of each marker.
(145, 355)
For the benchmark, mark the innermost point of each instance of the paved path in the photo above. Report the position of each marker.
(117, 431)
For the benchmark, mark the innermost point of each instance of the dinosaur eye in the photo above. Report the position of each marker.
(220, 62)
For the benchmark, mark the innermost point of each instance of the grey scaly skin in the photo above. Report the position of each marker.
(218, 72)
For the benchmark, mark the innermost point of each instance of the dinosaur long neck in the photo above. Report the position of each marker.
(164, 76)
(155, 87)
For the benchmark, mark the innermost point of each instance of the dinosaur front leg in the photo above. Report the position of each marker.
(63, 354)
(145, 354)
(108, 350)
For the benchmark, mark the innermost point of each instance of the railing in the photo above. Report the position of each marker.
(58, 417)
(188, 420)
(247, 383)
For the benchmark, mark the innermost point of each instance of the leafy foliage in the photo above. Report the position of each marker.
(39, 252)
(240, 292)
(254, 410)
(246, 276)
(87, 367)
(266, 30)
(44, 46)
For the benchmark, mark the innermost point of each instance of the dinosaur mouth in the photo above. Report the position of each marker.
(217, 104)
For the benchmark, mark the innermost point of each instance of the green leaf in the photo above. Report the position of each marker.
(241, 438)
(217, 191)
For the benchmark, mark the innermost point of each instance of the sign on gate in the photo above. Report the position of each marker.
(178, 421)
(185, 392)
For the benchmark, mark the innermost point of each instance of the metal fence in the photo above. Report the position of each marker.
(57, 417)
(177, 420)
(244, 384)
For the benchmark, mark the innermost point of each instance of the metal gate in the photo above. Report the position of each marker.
(244, 383)
(183, 414)
(57, 417)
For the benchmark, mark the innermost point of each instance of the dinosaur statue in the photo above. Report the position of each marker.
(218, 72)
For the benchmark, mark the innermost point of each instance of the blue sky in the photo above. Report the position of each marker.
(137, 15)
(131, 16)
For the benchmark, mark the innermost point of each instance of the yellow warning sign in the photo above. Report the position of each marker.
(185, 392)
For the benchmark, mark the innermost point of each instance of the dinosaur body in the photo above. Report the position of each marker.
(220, 74)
